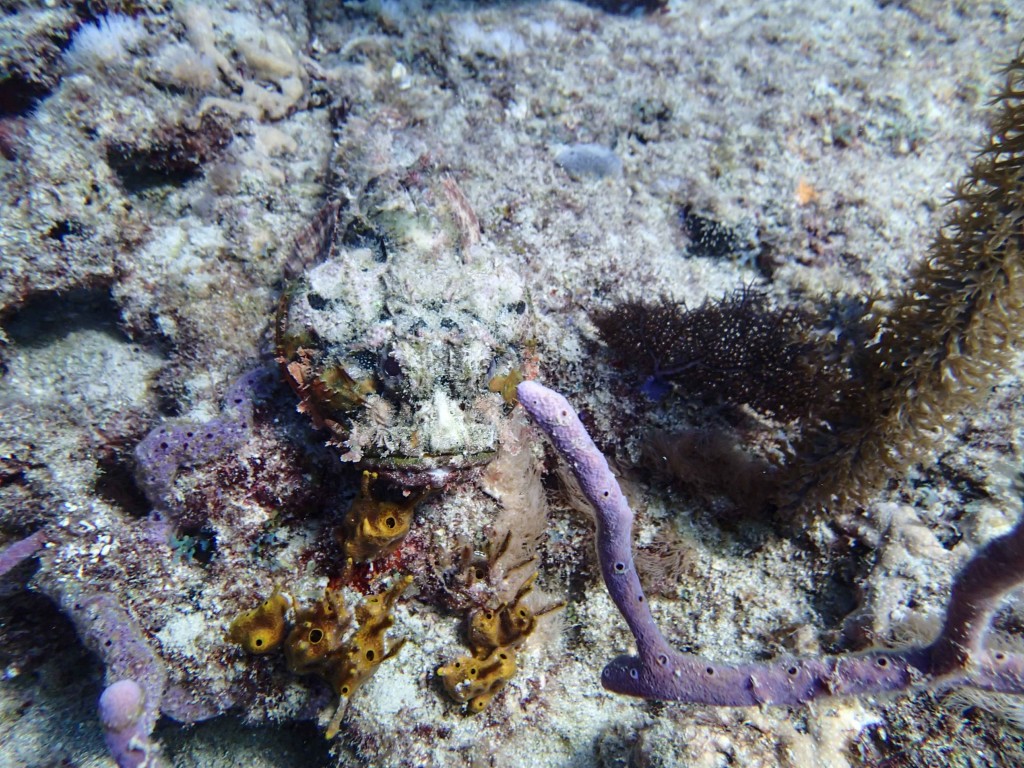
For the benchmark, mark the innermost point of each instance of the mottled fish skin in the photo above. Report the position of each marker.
(391, 334)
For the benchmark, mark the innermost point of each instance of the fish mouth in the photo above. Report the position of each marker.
(433, 472)
(428, 462)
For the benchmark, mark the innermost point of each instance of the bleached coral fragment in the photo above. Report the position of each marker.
(498, 42)
(182, 66)
(268, 57)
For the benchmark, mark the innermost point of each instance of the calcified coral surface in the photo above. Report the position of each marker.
(542, 162)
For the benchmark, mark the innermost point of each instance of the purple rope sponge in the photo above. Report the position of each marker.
(956, 658)
(14, 554)
(109, 631)
(122, 709)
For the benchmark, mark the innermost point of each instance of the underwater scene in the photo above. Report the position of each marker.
(522, 384)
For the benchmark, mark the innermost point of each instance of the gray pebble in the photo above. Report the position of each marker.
(589, 160)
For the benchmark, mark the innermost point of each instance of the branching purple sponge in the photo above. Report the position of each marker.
(957, 658)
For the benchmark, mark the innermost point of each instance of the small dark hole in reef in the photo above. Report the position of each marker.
(170, 156)
(361, 234)
(882, 662)
(195, 545)
(792, 671)
(390, 522)
(64, 228)
(316, 301)
(628, 7)
(18, 95)
(710, 671)
(315, 636)
(370, 655)
(259, 642)
(116, 483)
(51, 315)
(390, 366)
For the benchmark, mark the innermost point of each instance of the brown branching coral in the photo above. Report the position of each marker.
(948, 335)
(738, 350)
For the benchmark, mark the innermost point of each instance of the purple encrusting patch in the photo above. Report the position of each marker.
(171, 447)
